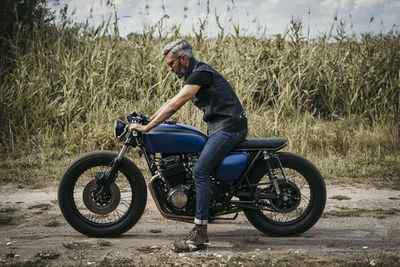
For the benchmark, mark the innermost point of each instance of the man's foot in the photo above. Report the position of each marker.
(196, 240)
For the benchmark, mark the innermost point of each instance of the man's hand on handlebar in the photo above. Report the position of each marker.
(138, 127)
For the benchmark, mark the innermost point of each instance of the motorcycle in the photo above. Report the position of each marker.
(103, 193)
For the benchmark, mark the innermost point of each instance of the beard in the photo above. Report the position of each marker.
(181, 71)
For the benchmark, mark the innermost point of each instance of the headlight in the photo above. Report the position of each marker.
(119, 127)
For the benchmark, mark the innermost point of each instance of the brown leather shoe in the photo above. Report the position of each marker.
(196, 240)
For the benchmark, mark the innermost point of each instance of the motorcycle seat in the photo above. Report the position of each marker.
(268, 144)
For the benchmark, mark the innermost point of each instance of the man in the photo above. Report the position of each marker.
(225, 118)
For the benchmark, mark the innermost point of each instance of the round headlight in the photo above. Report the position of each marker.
(119, 127)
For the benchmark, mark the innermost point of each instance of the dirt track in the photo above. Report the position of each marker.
(359, 225)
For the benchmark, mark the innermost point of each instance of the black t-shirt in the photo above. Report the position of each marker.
(202, 78)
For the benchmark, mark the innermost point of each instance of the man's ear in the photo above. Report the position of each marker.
(185, 60)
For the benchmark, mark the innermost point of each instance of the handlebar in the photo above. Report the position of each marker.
(122, 128)
(138, 118)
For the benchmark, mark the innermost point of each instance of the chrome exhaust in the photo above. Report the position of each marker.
(164, 212)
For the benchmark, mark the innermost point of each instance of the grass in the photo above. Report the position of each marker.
(8, 216)
(354, 170)
(335, 97)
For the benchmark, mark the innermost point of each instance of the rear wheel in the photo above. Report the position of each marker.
(94, 211)
(302, 197)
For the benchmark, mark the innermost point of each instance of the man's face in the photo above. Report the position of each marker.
(175, 64)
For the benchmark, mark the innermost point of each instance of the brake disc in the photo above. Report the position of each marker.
(101, 204)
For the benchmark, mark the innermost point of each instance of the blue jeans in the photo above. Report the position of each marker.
(215, 150)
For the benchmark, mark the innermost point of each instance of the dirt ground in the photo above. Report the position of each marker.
(359, 226)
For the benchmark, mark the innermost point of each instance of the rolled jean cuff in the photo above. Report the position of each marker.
(200, 222)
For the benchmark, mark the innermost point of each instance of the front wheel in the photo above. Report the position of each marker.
(302, 197)
(93, 212)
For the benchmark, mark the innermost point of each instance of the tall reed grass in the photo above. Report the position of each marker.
(335, 94)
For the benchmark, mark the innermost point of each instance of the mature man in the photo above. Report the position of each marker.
(225, 118)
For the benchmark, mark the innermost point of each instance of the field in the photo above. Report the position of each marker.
(335, 97)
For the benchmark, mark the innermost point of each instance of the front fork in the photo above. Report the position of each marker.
(112, 175)
(107, 178)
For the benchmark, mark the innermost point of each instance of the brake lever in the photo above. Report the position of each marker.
(126, 129)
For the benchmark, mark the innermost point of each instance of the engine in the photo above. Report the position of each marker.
(179, 190)
(172, 170)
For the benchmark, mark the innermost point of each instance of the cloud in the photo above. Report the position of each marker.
(337, 4)
(275, 15)
(366, 4)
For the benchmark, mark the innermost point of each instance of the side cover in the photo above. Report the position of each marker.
(231, 167)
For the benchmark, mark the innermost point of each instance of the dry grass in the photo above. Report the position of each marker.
(335, 98)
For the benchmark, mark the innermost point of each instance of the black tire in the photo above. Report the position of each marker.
(305, 179)
(123, 210)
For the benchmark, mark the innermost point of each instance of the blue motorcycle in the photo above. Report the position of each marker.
(104, 194)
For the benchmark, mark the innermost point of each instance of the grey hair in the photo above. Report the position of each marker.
(178, 48)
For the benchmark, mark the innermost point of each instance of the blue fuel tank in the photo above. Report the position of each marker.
(174, 138)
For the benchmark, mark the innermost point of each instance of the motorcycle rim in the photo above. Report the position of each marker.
(95, 210)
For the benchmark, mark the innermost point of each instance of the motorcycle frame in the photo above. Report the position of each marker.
(134, 140)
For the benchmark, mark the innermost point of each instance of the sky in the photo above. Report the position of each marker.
(254, 17)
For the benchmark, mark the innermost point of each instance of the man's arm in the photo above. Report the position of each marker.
(169, 108)
(159, 110)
